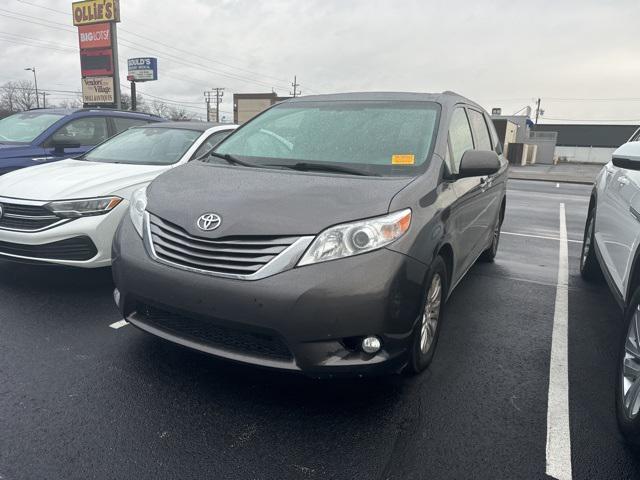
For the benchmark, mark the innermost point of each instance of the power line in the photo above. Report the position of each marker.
(129, 44)
(635, 120)
(161, 55)
(46, 42)
(8, 40)
(158, 43)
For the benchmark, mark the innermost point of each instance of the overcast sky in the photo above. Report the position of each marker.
(581, 57)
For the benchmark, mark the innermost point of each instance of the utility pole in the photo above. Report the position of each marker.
(207, 99)
(116, 72)
(537, 111)
(219, 95)
(44, 99)
(295, 86)
(134, 102)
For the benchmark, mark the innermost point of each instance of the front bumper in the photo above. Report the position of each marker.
(97, 232)
(318, 312)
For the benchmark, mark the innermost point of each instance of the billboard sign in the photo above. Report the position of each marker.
(98, 90)
(96, 62)
(143, 69)
(97, 35)
(88, 12)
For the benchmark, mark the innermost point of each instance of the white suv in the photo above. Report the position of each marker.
(611, 248)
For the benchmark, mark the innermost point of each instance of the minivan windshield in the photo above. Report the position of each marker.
(25, 127)
(145, 146)
(358, 137)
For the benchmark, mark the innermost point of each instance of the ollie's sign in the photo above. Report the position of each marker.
(95, 11)
(95, 36)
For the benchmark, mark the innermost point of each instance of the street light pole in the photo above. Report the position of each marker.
(35, 81)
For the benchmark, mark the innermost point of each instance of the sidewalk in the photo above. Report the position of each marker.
(563, 172)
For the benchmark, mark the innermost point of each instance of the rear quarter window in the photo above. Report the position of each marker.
(121, 123)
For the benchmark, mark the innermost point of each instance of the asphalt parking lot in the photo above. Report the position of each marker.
(80, 399)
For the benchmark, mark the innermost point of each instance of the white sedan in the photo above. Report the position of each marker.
(67, 212)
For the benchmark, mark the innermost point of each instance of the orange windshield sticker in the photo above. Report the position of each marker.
(406, 159)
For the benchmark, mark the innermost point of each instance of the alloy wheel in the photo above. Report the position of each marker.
(431, 313)
(631, 367)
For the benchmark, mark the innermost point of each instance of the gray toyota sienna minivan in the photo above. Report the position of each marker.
(323, 236)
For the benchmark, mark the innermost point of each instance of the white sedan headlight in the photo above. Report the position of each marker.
(137, 208)
(353, 238)
(87, 207)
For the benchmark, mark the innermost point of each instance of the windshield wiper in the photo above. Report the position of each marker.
(325, 167)
(234, 160)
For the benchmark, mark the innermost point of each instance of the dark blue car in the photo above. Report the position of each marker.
(46, 135)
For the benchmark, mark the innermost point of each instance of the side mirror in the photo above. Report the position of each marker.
(59, 146)
(477, 163)
(628, 163)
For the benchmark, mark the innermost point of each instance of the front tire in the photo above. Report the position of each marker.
(427, 330)
(589, 266)
(628, 378)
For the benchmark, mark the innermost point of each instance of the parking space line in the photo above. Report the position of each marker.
(558, 431)
(544, 237)
(120, 324)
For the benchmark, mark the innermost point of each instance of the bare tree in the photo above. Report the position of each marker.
(178, 114)
(141, 104)
(8, 97)
(159, 108)
(71, 103)
(25, 95)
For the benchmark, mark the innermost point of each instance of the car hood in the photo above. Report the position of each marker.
(253, 201)
(69, 179)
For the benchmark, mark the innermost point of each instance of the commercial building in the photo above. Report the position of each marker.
(587, 143)
(548, 143)
(248, 105)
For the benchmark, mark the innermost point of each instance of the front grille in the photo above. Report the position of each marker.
(228, 255)
(203, 330)
(77, 248)
(26, 217)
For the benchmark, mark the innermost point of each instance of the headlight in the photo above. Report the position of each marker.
(83, 208)
(137, 207)
(357, 237)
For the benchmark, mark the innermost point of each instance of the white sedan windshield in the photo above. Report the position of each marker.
(145, 146)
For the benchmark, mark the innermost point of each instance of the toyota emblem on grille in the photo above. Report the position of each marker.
(208, 222)
(1, 210)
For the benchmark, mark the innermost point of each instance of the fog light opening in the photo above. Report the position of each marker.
(371, 345)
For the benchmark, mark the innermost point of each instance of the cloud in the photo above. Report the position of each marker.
(500, 53)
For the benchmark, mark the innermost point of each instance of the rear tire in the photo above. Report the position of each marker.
(427, 329)
(628, 378)
(589, 266)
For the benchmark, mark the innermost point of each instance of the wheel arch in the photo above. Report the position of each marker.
(634, 276)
